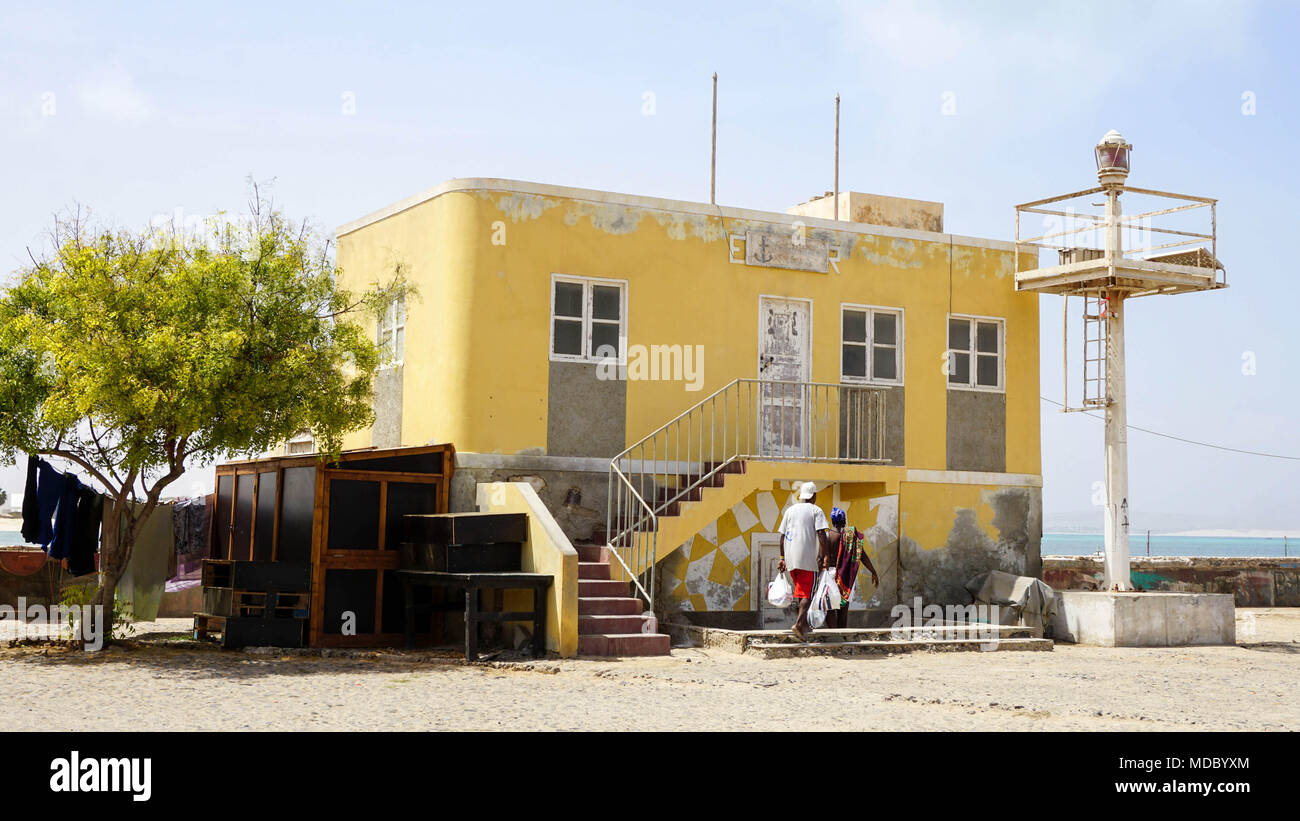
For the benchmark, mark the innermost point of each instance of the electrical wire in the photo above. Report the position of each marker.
(1188, 441)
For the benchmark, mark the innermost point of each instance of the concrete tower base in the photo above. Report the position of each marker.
(1146, 619)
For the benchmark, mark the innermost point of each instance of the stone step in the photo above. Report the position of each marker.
(588, 588)
(977, 632)
(609, 606)
(624, 644)
(593, 570)
(846, 648)
(592, 624)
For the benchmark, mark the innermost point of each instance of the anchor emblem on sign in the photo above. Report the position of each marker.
(762, 255)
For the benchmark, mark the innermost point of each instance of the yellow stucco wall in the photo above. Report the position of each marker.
(478, 337)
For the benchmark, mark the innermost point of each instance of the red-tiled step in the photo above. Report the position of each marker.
(610, 606)
(624, 644)
(601, 587)
(593, 570)
(610, 624)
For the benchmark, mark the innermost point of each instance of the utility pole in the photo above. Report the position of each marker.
(837, 156)
(713, 150)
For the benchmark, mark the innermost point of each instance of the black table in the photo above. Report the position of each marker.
(472, 583)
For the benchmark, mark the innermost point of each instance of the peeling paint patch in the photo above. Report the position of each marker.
(872, 254)
(520, 207)
(698, 573)
(612, 219)
(680, 226)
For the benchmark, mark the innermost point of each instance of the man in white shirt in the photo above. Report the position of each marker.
(800, 528)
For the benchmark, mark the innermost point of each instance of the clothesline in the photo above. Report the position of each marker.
(73, 523)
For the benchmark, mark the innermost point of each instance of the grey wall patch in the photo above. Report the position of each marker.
(585, 415)
(977, 431)
(939, 575)
(387, 431)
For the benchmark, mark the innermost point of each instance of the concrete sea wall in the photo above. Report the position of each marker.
(1252, 581)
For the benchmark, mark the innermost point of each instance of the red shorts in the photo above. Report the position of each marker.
(803, 583)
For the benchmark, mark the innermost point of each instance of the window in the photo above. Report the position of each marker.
(975, 352)
(871, 344)
(299, 444)
(392, 333)
(587, 315)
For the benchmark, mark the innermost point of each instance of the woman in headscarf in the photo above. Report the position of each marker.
(842, 551)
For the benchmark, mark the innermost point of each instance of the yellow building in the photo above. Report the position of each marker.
(556, 328)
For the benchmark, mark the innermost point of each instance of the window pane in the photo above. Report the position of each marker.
(986, 371)
(855, 326)
(884, 363)
(606, 302)
(568, 299)
(986, 337)
(400, 347)
(568, 337)
(959, 369)
(959, 334)
(886, 326)
(855, 360)
(603, 334)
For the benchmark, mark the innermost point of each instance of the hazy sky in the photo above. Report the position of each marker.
(137, 110)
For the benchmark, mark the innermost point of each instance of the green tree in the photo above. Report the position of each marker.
(135, 355)
(4, 497)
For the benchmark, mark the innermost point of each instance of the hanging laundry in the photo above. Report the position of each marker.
(191, 519)
(145, 575)
(64, 515)
(40, 501)
(85, 532)
(31, 510)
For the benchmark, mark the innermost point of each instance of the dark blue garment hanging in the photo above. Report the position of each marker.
(65, 518)
(31, 510)
(49, 490)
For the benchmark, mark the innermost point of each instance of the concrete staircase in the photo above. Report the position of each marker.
(610, 622)
(871, 641)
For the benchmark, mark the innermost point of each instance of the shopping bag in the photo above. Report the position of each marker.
(780, 591)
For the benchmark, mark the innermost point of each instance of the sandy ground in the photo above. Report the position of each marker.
(1250, 686)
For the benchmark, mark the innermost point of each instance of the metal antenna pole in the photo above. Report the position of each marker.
(713, 150)
(837, 156)
(1118, 576)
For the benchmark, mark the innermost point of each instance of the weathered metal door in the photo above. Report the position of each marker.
(784, 359)
(766, 549)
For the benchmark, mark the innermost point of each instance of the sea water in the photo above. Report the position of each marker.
(1086, 544)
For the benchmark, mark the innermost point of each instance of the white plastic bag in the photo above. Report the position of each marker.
(829, 589)
(780, 591)
(826, 596)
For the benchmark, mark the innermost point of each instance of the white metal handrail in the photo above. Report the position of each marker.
(746, 420)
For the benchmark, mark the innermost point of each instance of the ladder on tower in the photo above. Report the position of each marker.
(1095, 327)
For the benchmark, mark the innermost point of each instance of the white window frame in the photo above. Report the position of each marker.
(386, 328)
(1001, 322)
(588, 301)
(869, 344)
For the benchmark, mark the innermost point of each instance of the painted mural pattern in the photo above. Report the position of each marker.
(712, 570)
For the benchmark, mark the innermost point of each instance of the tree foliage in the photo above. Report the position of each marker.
(137, 354)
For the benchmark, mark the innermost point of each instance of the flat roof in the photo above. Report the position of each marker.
(468, 184)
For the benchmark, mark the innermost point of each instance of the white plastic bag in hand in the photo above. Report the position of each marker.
(827, 591)
(780, 592)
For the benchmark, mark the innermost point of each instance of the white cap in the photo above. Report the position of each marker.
(807, 491)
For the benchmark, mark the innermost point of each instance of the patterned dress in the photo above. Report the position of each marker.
(848, 560)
